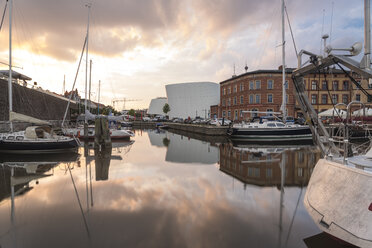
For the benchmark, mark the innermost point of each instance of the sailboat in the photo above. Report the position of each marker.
(35, 139)
(89, 132)
(338, 197)
(272, 130)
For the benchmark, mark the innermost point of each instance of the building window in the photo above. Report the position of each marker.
(313, 99)
(269, 173)
(224, 91)
(345, 99)
(324, 85)
(258, 98)
(235, 89)
(251, 98)
(270, 84)
(286, 84)
(241, 87)
(345, 85)
(313, 85)
(324, 98)
(369, 98)
(224, 113)
(251, 85)
(258, 84)
(300, 172)
(269, 98)
(334, 99)
(235, 100)
(229, 90)
(359, 85)
(236, 114)
(335, 85)
(369, 85)
(223, 102)
(228, 114)
(241, 99)
(241, 113)
(229, 102)
(357, 97)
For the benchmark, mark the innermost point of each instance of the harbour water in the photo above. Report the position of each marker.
(162, 190)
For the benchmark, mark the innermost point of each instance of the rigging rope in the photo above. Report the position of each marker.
(2, 18)
(290, 28)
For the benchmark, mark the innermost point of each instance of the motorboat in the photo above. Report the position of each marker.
(114, 133)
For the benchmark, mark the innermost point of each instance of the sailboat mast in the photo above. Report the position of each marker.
(284, 97)
(10, 90)
(99, 93)
(86, 65)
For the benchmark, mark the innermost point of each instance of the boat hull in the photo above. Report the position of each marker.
(339, 199)
(271, 134)
(40, 147)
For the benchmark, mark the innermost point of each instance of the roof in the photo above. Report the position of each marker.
(271, 71)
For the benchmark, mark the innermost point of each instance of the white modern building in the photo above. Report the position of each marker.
(192, 99)
(156, 106)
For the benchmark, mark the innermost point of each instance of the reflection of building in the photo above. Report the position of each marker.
(156, 106)
(156, 137)
(192, 99)
(261, 166)
(182, 149)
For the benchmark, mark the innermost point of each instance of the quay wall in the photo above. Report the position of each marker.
(200, 129)
(32, 102)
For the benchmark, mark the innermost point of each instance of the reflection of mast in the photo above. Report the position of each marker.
(282, 182)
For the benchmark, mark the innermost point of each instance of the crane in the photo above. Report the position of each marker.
(124, 101)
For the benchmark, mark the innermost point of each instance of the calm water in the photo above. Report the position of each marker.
(163, 190)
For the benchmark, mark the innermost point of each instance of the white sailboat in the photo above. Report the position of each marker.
(35, 139)
(80, 131)
(272, 131)
(338, 196)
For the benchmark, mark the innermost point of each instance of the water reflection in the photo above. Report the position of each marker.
(261, 164)
(102, 160)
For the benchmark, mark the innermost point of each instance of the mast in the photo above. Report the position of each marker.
(284, 97)
(99, 92)
(90, 83)
(86, 65)
(10, 90)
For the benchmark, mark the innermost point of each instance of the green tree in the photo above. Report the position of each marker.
(131, 112)
(166, 108)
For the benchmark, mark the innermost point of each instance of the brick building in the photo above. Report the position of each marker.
(261, 90)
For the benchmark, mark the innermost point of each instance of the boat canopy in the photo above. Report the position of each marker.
(25, 118)
(333, 112)
(38, 132)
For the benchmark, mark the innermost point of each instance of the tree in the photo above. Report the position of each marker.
(131, 112)
(166, 108)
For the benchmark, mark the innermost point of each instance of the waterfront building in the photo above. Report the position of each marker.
(261, 90)
(192, 99)
(156, 106)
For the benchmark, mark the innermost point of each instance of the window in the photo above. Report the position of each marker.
(313, 85)
(324, 98)
(229, 102)
(370, 84)
(357, 97)
(334, 99)
(269, 98)
(269, 173)
(258, 98)
(345, 85)
(335, 85)
(313, 99)
(369, 99)
(236, 114)
(324, 85)
(258, 84)
(251, 85)
(286, 84)
(345, 99)
(271, 125)
(235, 89)
(359, 85)
(251, 98)
(235, 101)
(229, 90)
(224, 91)
(224, 113)
(228, 114)
(270, 84)
(300, 172)
(241, 99)
(241, 87)
(241, 113)
(223, 102)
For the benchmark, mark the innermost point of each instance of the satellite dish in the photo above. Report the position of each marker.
(356, 48)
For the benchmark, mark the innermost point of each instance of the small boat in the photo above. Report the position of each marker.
(114, 133)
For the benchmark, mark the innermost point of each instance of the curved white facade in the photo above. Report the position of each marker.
(156, 106)
(192, 99)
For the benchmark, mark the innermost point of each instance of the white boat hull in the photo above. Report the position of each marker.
(339, 199)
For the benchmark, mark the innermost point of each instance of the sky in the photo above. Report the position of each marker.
(138, 47)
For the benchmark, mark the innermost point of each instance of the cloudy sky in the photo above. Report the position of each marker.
(139, 46)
